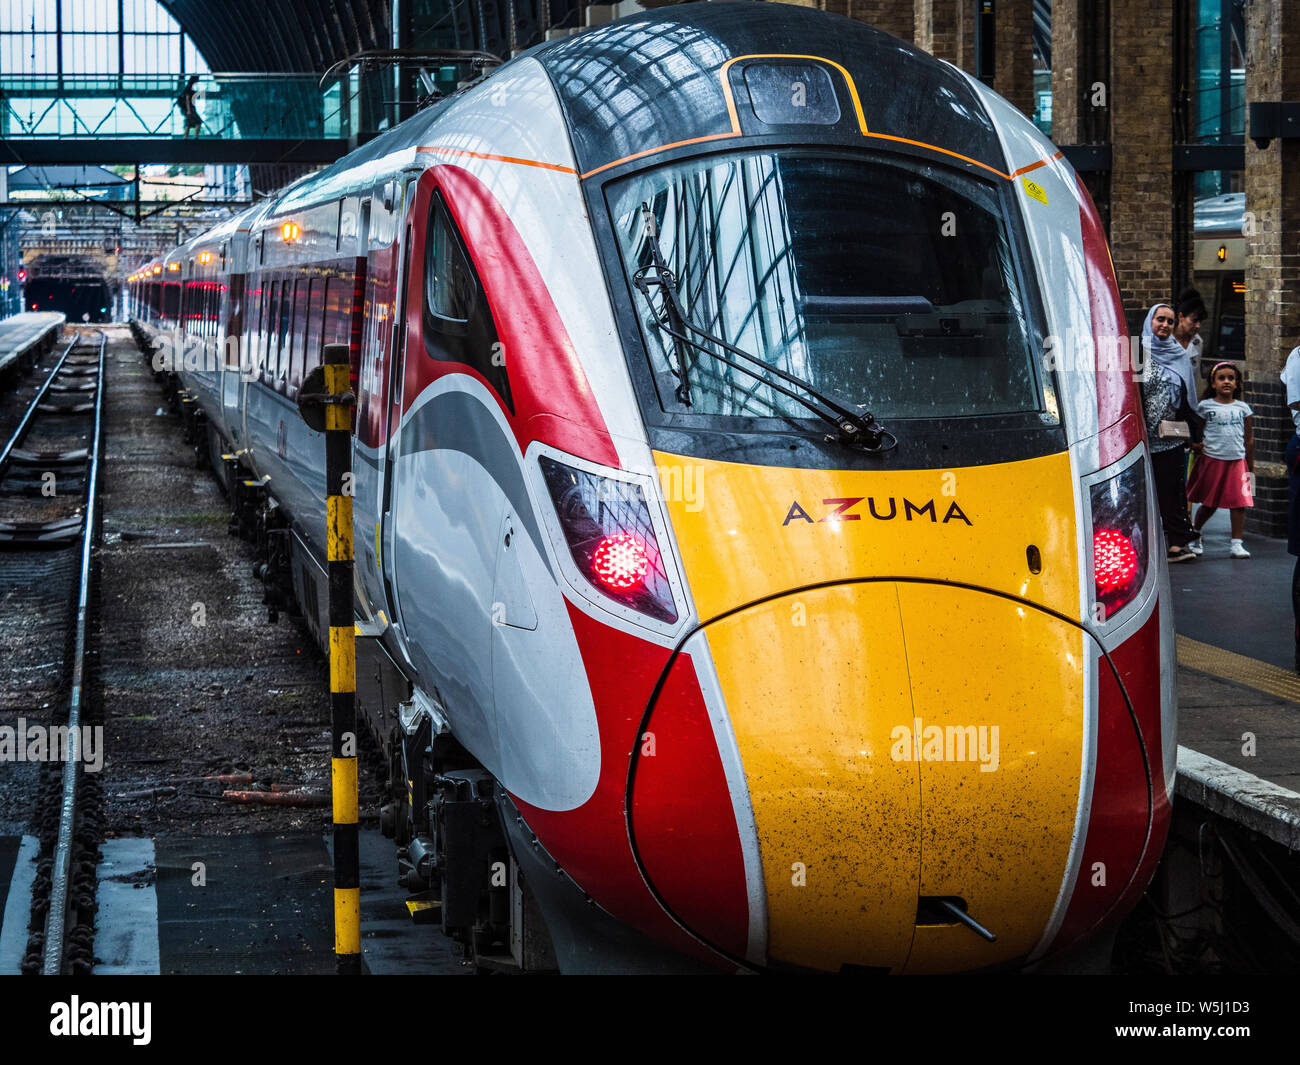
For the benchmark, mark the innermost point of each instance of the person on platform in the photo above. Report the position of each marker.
(1168, 390)
(1291, 382)
(1190, 310)
(189, 110)
(1225, 463)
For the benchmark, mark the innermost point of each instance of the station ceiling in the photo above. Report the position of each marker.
(308, 35)
(284, 35)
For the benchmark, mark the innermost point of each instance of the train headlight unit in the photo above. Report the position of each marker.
(1120, 537)
(607, 527)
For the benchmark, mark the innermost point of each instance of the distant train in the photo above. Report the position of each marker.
(734, 566)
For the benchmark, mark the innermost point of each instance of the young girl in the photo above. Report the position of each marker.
(1222, 474)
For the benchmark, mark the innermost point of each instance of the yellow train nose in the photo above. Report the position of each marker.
(902, 742)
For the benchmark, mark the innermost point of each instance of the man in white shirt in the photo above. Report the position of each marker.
(1291, 379)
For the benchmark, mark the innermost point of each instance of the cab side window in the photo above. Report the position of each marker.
(449, 281)
(458, 323)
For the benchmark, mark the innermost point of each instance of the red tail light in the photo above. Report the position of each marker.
(621, 561)
(1120, 543)
(607, 526)
(1115, 561)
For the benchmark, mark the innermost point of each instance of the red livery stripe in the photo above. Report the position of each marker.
(1120, 838)
(682, 812)
(553, 400)
(1117, 395)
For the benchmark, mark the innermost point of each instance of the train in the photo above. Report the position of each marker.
(758, 566)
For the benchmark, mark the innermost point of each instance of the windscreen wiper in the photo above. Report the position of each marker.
(854, 426)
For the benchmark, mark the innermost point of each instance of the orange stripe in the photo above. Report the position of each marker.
(1035, 166)
(945, 151)
(496, 158)
(661, 148)
(878, 136)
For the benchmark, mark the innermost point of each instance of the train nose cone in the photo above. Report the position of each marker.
(904, 742)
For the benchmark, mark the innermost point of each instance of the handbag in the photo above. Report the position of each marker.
(1171, 430)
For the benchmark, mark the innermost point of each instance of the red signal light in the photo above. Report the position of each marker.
(22, 275)
(1115, 561)
(621, 561)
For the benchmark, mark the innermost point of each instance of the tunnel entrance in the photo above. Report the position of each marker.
(74, 289)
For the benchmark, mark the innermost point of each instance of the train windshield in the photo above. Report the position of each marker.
(891, 285)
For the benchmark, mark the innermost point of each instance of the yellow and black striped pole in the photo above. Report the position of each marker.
(337, 399)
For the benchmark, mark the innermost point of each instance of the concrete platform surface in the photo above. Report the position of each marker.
(1238, 691)
(20, 331)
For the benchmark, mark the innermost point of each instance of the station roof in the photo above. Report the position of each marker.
(283, 35)
(84, 178)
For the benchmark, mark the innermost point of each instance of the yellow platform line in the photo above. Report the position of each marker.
(1262, 676)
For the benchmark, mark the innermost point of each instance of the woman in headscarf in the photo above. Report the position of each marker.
(1168, 392)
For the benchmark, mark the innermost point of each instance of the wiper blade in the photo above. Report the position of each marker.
(854, 427)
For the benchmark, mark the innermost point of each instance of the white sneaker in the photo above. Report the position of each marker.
(1196, 547)
(1237, 551)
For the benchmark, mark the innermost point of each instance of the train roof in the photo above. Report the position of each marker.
(613, 82)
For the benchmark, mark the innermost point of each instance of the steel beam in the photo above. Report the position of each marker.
(176, 150)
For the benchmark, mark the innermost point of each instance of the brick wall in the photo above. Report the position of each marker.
(892, 16)
(936, 28)
(1140, 97)
(1066, 40)
(1014, 73)
(1272, 427)
(1272, 262)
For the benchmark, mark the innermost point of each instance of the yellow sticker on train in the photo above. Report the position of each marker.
(1035, 191)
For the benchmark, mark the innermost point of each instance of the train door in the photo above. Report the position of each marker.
(395, 376)
(449, 455)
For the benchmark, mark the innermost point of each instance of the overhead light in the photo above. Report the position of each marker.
(1222, 253)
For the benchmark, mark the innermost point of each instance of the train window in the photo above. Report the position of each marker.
(267, 369)
(283, 329)
(338, 311)
(297, 336)
(457, 321)
(790, 94)
(889, 283)
(449, 281)
(171, 301)
(315, 325)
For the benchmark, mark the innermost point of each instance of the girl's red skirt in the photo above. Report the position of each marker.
(1220, 483)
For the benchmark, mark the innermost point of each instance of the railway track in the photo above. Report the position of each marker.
(49, 517)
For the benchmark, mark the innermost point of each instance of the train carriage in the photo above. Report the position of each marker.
(757, 552)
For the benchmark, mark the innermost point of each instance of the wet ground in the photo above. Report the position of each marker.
(195, 684)
(194, 680)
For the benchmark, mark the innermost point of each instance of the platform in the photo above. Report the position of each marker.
(1238, 692)
(26, 335)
